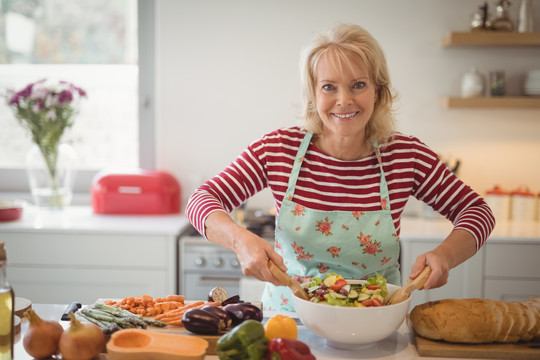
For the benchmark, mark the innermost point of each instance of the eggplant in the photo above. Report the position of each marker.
(231, 300)
(218, 294)
(243, 311)
(220, 313)
(199, 321)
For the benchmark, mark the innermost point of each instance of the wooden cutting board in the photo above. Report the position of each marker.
(426, 347)
(212, 339)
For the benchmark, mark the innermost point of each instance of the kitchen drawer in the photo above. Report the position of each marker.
(511, 290)
(92, 250)
(64, 285)
(512, 260)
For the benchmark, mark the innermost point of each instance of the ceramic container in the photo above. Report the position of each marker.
(498, 200)
(472, 83)
(351, 327)
(523, 205)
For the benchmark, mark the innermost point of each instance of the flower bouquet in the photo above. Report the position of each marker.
(46, 109)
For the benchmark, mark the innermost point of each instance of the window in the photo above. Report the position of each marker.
(95, 45)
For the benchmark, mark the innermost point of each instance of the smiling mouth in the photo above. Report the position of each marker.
(345, 116)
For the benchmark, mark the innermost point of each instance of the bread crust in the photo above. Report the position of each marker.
(477, 321)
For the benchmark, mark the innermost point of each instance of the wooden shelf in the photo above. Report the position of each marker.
(495, 102)
(491, 38)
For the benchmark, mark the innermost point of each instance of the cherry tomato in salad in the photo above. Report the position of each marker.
(373, 287)
(376, 302)
(338, 284)
(372, 302)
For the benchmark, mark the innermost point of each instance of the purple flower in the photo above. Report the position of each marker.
(65, 96)
(80, 91)
(14, 99)
(26, 92)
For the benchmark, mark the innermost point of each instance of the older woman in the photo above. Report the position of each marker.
(340, 182)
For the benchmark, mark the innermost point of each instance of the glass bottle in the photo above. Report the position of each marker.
(502, 20)
(7, 310)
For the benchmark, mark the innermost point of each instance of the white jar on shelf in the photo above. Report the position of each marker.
(472, 83)
(498, 200)
(523, 205)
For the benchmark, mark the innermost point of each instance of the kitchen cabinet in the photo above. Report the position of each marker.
(506, 267)
(486, 38)
(75, 255)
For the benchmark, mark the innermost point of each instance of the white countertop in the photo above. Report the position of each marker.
(82, 219)
(397, 346)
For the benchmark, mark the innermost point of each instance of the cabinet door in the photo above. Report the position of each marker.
(465, 280)
(62, 286)
(511, 290)
(64, 267)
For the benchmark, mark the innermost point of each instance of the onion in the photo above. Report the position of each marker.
(81, 341)
(42, 337)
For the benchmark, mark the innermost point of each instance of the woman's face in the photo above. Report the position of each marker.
(345, 97)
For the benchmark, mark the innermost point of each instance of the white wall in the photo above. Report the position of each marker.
(227, 73)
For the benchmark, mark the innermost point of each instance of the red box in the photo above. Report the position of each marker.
(136, 191)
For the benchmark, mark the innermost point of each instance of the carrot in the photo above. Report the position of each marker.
(178, 310)
(176, 322)
(172, 316)
(178, 298)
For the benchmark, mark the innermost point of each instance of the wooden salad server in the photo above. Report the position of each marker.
(286, 280)
(404, 292)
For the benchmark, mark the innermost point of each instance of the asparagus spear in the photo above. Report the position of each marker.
(124, 313)
(106, 327)
(103, 316)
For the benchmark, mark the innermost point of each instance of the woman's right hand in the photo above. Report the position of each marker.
(253, 253)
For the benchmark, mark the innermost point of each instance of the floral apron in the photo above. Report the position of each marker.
(354, 244)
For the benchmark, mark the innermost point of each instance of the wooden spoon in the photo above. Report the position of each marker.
(404, 293)
(286, 280)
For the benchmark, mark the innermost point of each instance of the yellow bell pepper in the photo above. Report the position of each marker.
(280, 326)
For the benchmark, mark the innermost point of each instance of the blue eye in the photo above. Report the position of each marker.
(359, 85)
(328, 87)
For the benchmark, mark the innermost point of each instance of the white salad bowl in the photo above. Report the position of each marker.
(351, 327)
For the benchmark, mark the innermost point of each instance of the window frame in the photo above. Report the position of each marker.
(14, 183)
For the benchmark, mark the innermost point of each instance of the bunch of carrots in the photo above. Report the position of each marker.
(148, 306)
(169, 309)
(174, 317)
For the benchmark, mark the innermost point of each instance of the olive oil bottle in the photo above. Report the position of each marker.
(7, 310)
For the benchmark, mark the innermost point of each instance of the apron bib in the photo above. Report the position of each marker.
(354, 244)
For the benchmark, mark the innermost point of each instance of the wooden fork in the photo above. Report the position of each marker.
(286, 280)
(404, 293)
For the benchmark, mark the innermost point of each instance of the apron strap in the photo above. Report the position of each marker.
(383, 186)
(293, 177)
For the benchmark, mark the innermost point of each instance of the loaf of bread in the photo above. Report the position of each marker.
(478, 320)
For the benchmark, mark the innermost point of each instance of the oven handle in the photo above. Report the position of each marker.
(221, 280)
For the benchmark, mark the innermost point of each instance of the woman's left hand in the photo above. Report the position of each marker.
(439, 269)
(459, 246)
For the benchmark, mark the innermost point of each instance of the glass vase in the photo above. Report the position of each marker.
(51, 184)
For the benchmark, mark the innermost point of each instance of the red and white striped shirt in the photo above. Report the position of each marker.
(328, 184)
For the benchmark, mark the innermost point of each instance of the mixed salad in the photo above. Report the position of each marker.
(333, 289)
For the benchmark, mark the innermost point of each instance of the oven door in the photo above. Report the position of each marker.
(204, 265)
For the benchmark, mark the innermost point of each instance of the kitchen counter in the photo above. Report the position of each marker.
(397, 346)
(77, 219)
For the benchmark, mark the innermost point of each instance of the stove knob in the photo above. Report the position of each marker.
(218, 262)
(200, 261)
(235, 263)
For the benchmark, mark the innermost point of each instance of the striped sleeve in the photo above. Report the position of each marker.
(441, 189)
(324, 183)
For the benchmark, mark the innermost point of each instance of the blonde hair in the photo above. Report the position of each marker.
(348, 43)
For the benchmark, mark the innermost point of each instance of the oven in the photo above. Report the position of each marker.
(202, 265)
